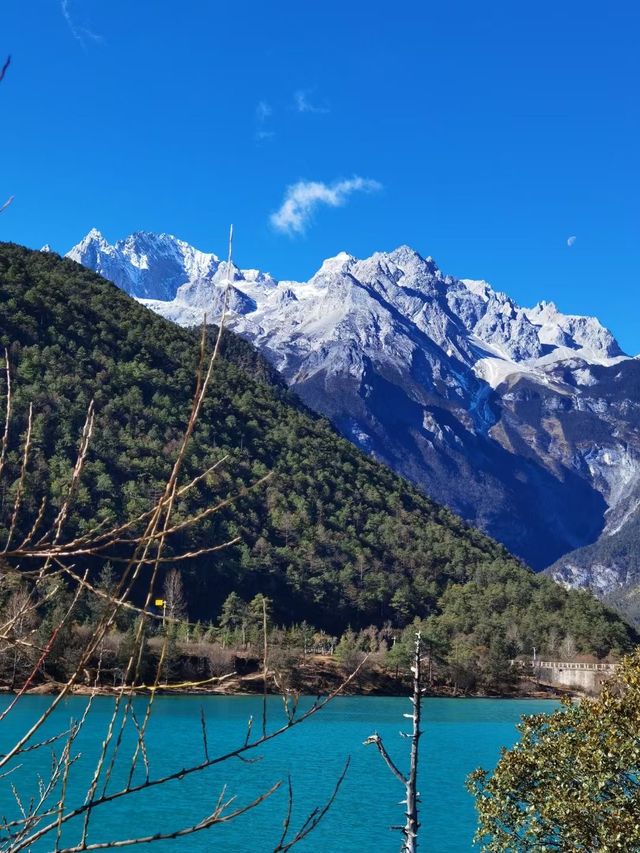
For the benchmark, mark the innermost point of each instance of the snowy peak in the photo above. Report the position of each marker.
(586, 334)
(89, 249)
(340, 263)
(93, 237)
(143, 264)
(411, 262)
(93, 242)
(146, 265)
(390, 303)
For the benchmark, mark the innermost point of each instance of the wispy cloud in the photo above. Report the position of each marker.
(571, 241)
(264, 111)
(304, 105)
(80, 33)
(302, 198)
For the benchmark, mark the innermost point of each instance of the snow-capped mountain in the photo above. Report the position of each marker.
(526, 421)
(153, 266)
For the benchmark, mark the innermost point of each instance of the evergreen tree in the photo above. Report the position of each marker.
(572, 782)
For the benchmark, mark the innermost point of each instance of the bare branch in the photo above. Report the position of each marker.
(218, 816)
(313, 818)
(377, 740)
(4, 68)
(8, 409)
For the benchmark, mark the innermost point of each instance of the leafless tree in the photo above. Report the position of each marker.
(15, 647)
(568, 648)
(175, 603)
(410, 779)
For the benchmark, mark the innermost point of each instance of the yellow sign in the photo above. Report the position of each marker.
(160, 602)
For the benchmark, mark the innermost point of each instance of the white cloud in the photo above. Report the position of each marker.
(303, 105)
(80, 34)
(301, 199)
(571, 241)
(264, 112)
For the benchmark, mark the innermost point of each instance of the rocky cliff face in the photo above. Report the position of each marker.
(524, 421)
(610, 566)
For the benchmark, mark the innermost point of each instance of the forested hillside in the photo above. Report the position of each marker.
(334, 537)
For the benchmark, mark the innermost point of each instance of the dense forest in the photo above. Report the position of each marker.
(333, 537)
(228, 654)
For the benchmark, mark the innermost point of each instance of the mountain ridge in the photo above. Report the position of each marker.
(511, 416)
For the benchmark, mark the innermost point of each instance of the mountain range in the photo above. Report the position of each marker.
(524, 421)
(333, 537)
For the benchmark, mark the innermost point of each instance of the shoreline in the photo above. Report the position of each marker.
(239, 687)
(317, 675)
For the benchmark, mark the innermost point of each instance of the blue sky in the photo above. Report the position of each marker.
(486, 135)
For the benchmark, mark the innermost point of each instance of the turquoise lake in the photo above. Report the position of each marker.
(460, 735)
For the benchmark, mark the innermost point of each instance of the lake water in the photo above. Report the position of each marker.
(460, 735)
